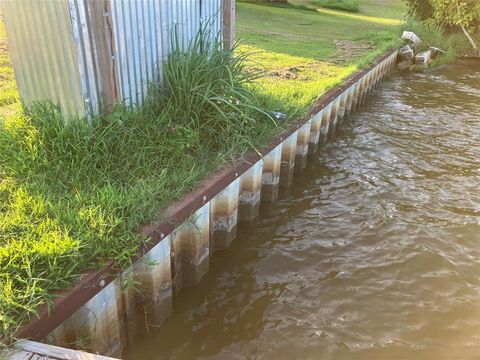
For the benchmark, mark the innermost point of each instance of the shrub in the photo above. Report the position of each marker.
(345, 5)
(420, 9)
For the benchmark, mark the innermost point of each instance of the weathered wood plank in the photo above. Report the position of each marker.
(39, 357)
(101, 20)
(55, 352)
(19, 355)
(228, 9)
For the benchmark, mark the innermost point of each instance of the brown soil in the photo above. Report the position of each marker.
(3, 46)
(287, 73)
(348, 51)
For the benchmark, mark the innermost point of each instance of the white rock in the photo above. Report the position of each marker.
(406, 52)
(423, 57)
(410, 35)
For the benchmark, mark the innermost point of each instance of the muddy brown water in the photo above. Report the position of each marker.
(374, 253)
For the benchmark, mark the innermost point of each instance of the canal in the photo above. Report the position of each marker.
(373, 253)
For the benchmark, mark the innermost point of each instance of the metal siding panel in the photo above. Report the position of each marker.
(129, 50)
(56, 67)
(144, 33)
(121, 50)
(86, 50)
(152, 43)
(26, 58)
(174, 28)
(142, 80)
(135, 50)
(118, 61)
(44, 54)
(125, 51)
(158, 24)
(23, 81)
(66, 68)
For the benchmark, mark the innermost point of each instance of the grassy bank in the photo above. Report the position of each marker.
(307, 51)
(72, 196)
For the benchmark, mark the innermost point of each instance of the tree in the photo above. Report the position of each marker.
(462, 13)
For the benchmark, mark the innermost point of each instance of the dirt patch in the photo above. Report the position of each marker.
(3, 46)
(289, 73)
(302, 72)
(348, 51)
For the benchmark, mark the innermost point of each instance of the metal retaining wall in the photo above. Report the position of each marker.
(203, 222)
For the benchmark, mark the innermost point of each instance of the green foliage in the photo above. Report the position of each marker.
(464, 13)
(456, 14)
(420, 9)
(447, 12)
(73, 195)
(345, 5)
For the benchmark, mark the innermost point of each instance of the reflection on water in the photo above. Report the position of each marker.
(373, 254)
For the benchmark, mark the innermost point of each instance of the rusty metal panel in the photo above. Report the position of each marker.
(44, 54)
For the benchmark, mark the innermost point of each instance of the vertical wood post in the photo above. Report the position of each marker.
(102, 24)
(228, 9)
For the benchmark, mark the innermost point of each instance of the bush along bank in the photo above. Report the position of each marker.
(427, 45)
(73, 193)
(446, 28)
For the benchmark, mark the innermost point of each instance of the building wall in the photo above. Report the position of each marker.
(87, 54)
(43, 52)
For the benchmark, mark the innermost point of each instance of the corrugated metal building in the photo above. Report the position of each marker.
(87, 54)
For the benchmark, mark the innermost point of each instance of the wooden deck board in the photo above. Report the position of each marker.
(31, 350)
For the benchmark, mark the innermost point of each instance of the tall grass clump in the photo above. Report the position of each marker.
(73, 193)
(344, 5)
(212, 91)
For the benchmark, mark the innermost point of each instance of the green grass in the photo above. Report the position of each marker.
(345, 5)
(297, 46)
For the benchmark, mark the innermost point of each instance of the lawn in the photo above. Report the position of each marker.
(73, 196)
(307, 51)
(8, 87)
